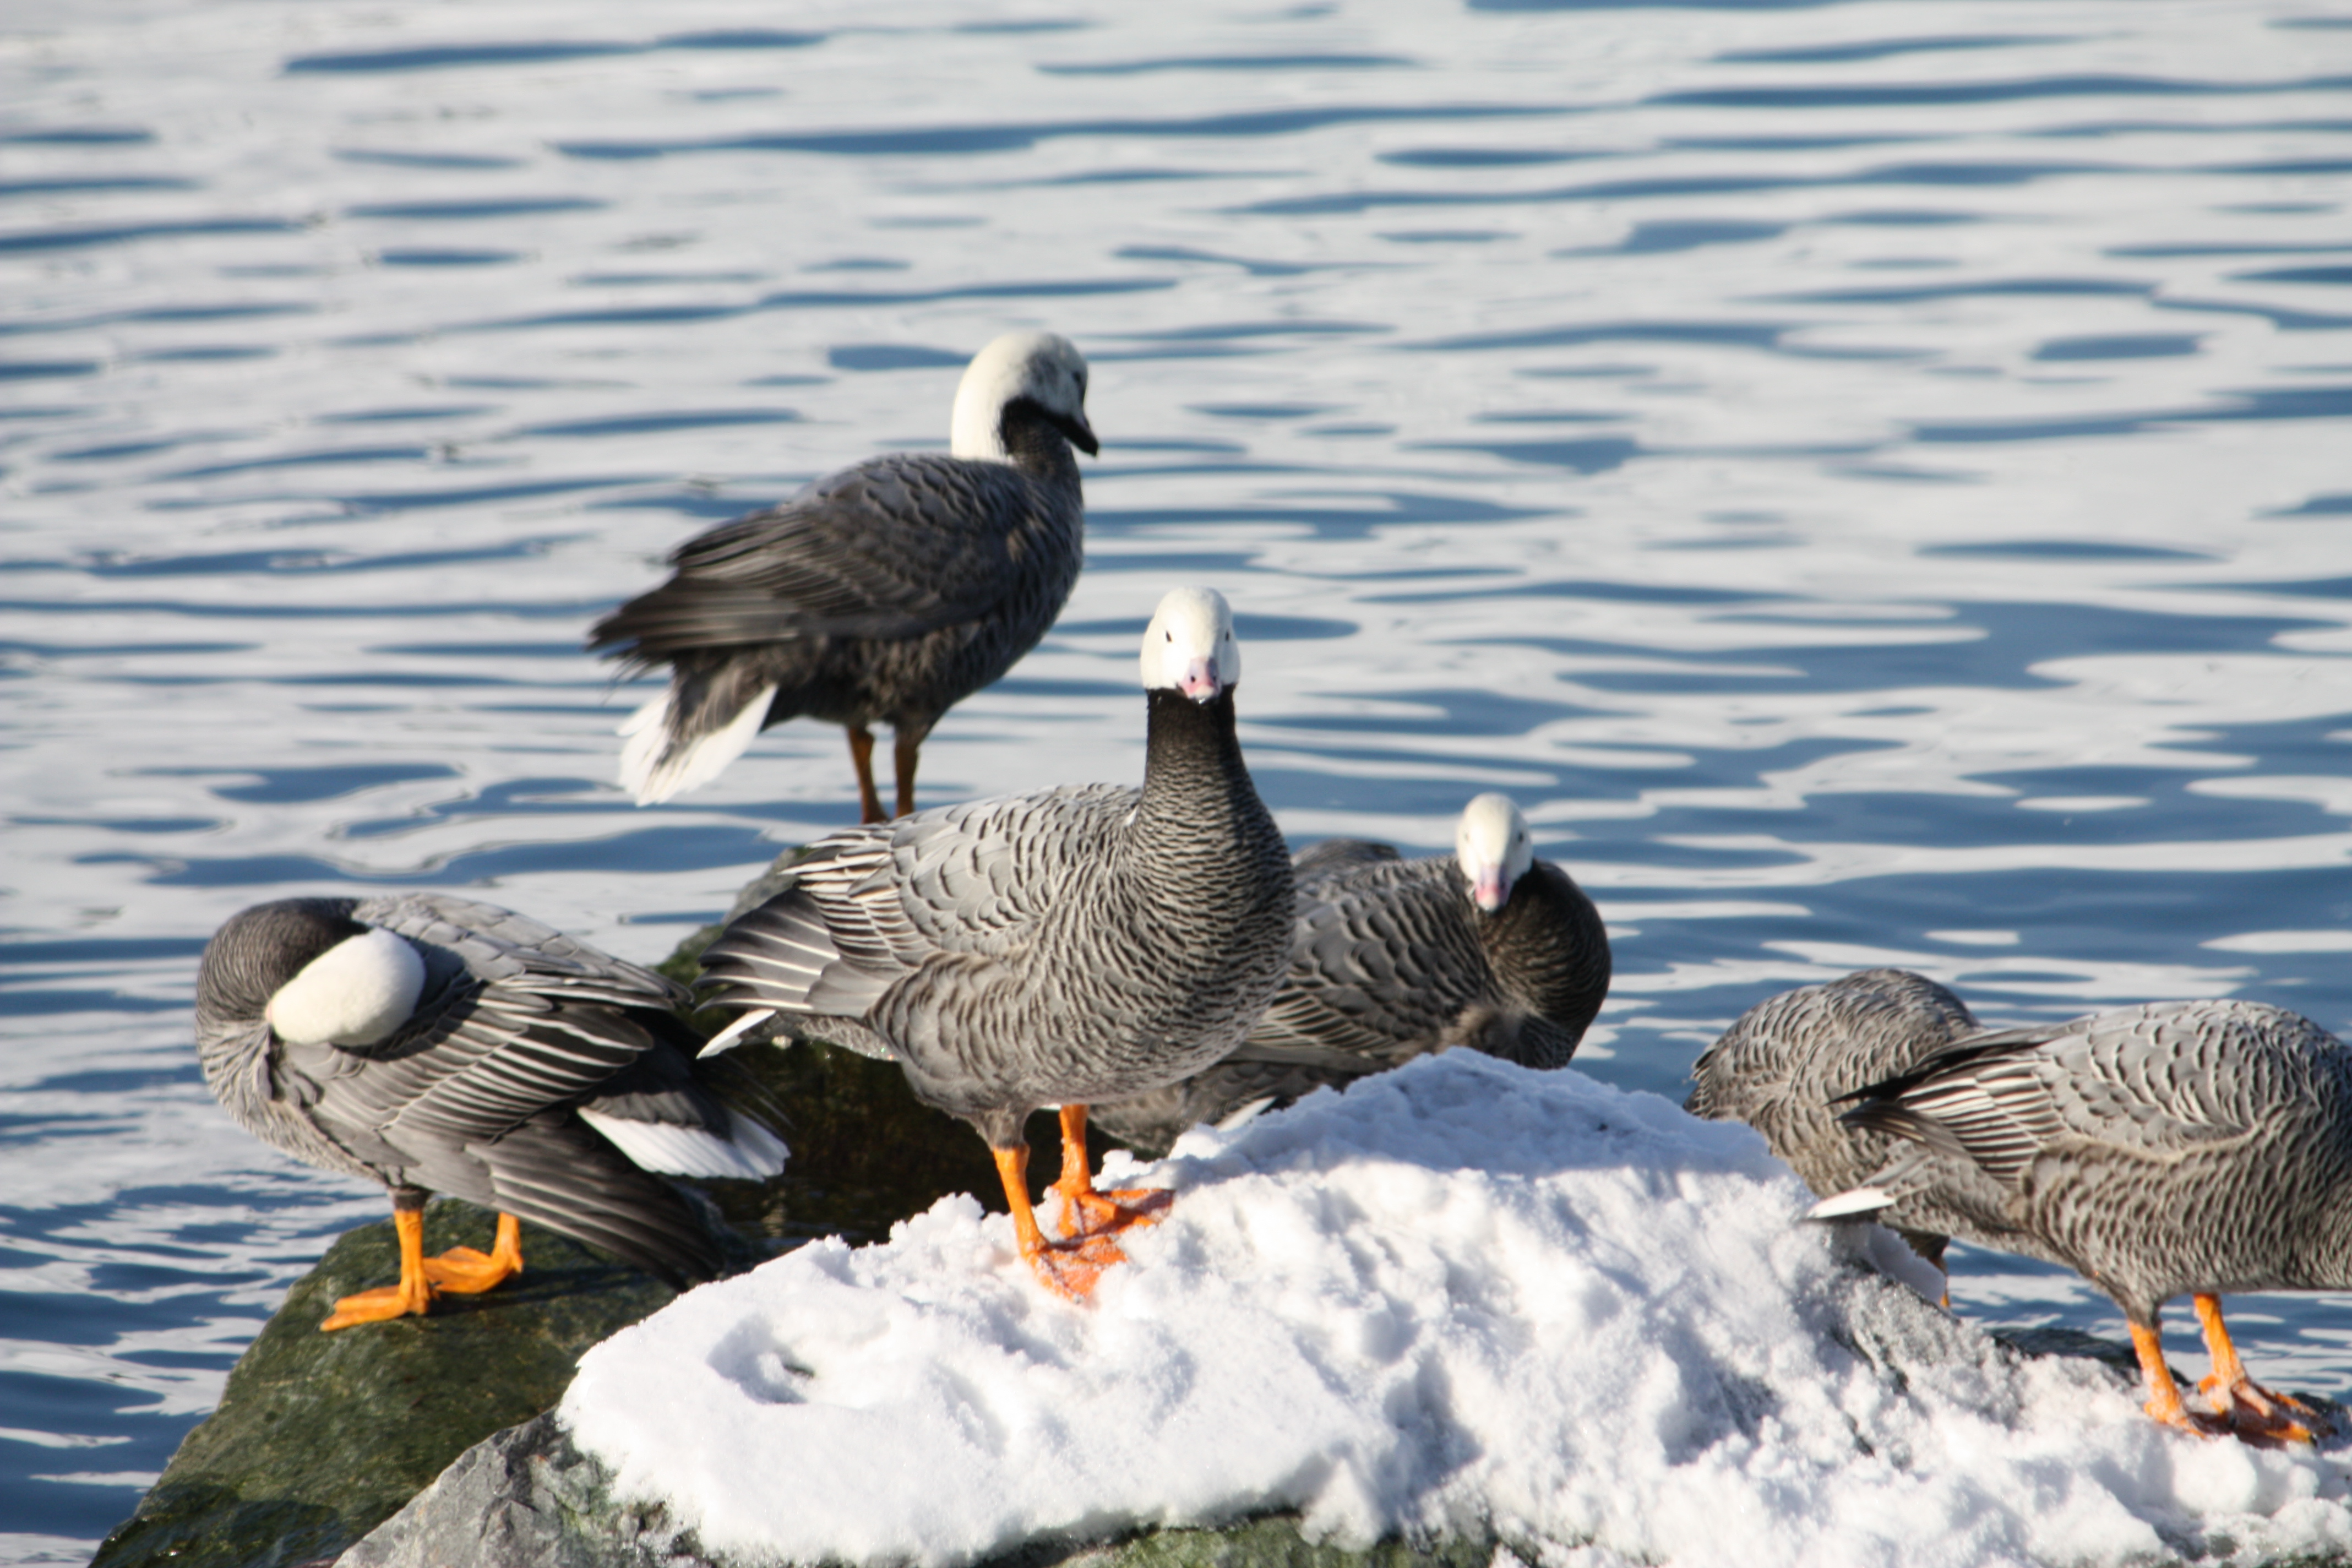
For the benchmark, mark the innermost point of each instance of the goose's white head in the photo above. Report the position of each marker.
(1046, 368)
(1494, 848)
(1189, 647)
(354, 993)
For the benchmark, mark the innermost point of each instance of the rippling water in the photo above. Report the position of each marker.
(1871, 478)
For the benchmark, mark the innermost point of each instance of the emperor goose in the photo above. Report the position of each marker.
(890, 590)
(1085, 944)
(433, 1044)
(1389, 958)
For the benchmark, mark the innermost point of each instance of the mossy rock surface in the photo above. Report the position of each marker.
(321, 1436)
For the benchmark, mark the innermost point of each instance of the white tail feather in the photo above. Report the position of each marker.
(656, 765)
(751, 1152)
(1244, 1114)
(727, 1038)
(1853, 1201)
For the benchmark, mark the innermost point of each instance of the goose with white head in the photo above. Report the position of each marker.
(887, 591)
(433, 1044)
(1056, 949)
(1390, 959)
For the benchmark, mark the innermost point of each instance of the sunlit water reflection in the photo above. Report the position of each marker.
(1870, 479)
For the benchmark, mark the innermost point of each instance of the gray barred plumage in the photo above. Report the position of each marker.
(1784, 1063)
(1071, 946)
(887, 592)
(2179, 1146)
(1391, 959)
(483, 1068)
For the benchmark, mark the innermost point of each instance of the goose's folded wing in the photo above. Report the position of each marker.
(2151, 1081)
(891, 548)
(487, 1062)
(1379, 969)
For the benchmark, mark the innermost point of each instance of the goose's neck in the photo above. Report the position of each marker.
(1030, 439)
(1196, 787)
(1547, 943)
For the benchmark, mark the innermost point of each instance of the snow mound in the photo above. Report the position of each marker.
(1461, 1299)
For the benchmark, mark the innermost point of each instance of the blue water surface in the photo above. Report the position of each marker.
(1871, 478)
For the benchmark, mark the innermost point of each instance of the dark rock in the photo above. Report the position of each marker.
(320, 1436)
(529, 1498)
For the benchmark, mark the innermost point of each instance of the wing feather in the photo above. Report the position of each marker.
(891, 548)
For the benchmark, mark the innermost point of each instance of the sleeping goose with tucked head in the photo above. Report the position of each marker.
(2203, 1147)
(887, 591)
(1071, 946)
(433, 1044)
(1390, 959)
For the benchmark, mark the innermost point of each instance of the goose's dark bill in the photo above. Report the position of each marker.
(887, 591)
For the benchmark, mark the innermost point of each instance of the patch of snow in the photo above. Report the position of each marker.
(1461, 1297)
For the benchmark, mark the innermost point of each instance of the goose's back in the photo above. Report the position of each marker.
(2186, 1145)
(889, 590)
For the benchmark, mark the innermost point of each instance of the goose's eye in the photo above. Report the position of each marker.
(1170, 636)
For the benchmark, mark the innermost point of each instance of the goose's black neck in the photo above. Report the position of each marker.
(1179, 733)
(1038, 441)
(1550, 946)
(1194, 780)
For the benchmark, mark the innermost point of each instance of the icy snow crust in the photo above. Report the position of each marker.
(1462, 1297)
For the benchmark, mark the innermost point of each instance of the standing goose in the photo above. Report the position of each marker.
(1081, 945)
(1488, 947)
(1783, 1063)
(891, 590)
(437, 1045)
(2196, 1146)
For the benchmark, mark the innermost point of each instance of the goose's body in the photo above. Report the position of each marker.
(433, 1044)
(1060, 948)
(885, 592)
(1390, 959)
(1785, 1063)
(2199, 1147)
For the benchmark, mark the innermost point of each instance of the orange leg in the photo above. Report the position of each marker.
(412, 1294)
(2163, 1394)
(1070, 1267)
(1087, 1214)
(466, 1271)
(2253, 1411)
(903, 749)
(861, 757)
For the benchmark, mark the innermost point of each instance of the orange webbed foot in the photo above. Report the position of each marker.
(2246, 1407)
(2180, 1417)
(1087, 1215)
(2164, 1404)
(2261, 1417)
(1072, 1269)
(381, 1305)
(468, 1271)
(413, 1295)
